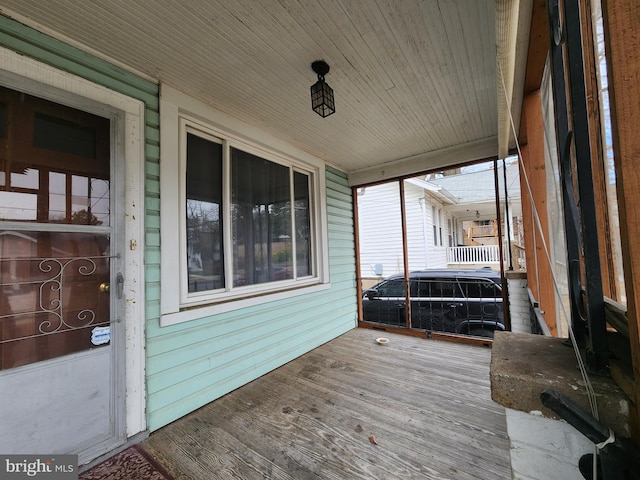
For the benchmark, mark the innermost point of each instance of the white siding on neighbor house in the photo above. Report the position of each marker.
(437, 254)
(380, 228)
(417, 226)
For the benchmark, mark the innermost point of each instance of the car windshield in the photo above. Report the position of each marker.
(391, 288)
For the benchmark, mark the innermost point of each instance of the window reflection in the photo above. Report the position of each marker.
(205, 261)
(25, 179)
(50, 299)
(99, 200)
(53, 133)
(263, 207)
(57, 197)
(261, 220)
(54, 166)
(303, 224)
(72, 200)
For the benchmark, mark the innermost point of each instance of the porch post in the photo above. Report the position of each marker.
(622, 42)
(597, 348)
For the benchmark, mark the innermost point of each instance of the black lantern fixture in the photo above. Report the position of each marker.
(321, 93)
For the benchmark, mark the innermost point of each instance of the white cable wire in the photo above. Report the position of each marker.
(589, 387)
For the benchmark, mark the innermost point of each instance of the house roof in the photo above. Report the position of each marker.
(418, 84)
(475, 191)
(477, 186)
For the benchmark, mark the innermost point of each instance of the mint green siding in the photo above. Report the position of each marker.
(193, 363)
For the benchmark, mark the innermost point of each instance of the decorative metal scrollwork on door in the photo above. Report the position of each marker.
(52, 290)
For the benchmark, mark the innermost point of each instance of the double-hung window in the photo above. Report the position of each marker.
(247, 219)
(241, 222)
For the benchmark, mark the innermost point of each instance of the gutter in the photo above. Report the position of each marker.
(513, 24)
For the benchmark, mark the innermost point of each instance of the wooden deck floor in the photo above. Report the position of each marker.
(427, 403)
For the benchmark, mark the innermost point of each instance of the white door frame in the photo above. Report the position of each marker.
(41, 80)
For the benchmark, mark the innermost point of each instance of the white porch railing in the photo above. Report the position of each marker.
(473, 255)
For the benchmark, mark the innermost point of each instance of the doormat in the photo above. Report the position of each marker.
(131, 463)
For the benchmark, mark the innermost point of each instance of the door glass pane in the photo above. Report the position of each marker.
(54, 162)
(98, 202)
(78, 200)
(205, 260)
(3, 120)
(261, 220)
(50, 294)
(54, 284)
(64, 136)
(18, 206)
(57, 197)
(25, 179)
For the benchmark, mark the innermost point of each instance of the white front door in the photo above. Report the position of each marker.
(61, 281)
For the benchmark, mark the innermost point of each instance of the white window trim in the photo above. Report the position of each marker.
(188, 300)
(25, 74)
(174, 106)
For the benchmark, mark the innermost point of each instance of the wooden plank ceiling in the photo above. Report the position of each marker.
(410, 78)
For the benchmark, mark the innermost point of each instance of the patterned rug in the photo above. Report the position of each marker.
(132, 463)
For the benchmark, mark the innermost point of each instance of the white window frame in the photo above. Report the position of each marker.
(436, 214)
(440, 226)
(434, 224)
(178, 112)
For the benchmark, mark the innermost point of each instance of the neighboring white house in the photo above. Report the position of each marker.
(429, 227)
(442, 211)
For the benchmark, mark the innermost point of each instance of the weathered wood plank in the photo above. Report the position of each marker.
(623, 54)
(427, 404)
(541, 281)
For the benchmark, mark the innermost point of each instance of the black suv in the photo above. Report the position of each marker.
(465, 302)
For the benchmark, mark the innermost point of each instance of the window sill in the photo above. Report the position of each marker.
(194, 313)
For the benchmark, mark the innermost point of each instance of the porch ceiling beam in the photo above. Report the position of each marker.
(513, 22)
(428, 161)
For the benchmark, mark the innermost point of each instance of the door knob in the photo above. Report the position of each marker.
(104, 287)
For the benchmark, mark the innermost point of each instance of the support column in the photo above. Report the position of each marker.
(622, 39)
